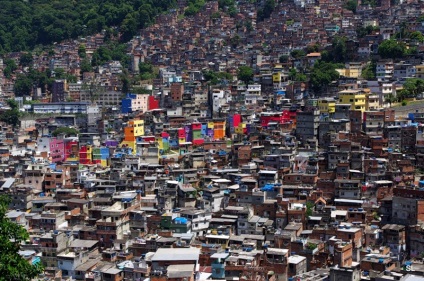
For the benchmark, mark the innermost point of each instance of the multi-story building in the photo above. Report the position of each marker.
(384, 70)
(51, 245)
(307, 124)
(327, 105)
(356, 98)
(61, 107)
(133, 130)
(59, 90)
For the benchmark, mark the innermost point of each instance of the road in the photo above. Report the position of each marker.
(416, 106)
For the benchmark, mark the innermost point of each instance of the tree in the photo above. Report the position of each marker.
(283, 59)
(296, 76)
(412, 87)
(216, 77)
(416, 35)
(266, 11)
(390, 98)
(23, 86)
(26, 59)
(235, 41)
(10, 67)
(391, 49)
(361, 31)
(312, 48)
(86, 66)
(369, 73)
(351, 5)
(26, 24)
(12, 265)
(125, 80)
(298, 54)
(65, 130)
(245, 74)
(59, 73)
(82, 52)
(11, 117)
(323, 73)
(309, 208)
(145, 67)
(339, 49)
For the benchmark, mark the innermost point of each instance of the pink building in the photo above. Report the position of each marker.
(57, 150)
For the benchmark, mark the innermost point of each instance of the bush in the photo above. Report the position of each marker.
(404, 103)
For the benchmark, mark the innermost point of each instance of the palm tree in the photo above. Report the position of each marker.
(390, 98)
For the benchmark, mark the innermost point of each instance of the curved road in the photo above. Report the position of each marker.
(402, 111)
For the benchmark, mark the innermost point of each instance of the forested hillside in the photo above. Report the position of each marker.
(26, 24)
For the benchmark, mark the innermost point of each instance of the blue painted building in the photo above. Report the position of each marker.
(126, 105)
(218, 265)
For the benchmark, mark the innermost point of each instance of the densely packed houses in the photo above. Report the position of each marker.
(180, 179)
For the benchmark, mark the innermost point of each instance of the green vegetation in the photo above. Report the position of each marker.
(351, 5)
(372, 3)
(369, 72)
(390, 99)
(235, 41)
(11, 117)
(26, 24)
(111, 51)
(312, 48)
(322, 74)
(194, 7)
(10, 67)
(229, 6)
(294, 75)
(298, 54)
(146, 71)
(283, 59)
(309, 208)
(12, 265)
(417, 36)
(82, 52)
(85, 66)
(363, 31)
(392, 49)
(23, 86)
(339, 49)
(65, 130)
(411, 89)
(311, 246)
(26, 59)
(245, 74)
(215, 78)
(266, 11)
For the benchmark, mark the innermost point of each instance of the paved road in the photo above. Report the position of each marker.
(402, 111)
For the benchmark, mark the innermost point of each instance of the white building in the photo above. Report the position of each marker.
(384, 70)
(61, 107)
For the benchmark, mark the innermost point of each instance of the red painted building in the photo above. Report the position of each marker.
(153, 103)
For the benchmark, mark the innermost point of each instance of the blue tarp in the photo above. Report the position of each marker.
(421, 183)
(181, 220)
(268, 187)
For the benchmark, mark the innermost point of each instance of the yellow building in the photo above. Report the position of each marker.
(356, 98)
(352, 72)
(132, 131)
(276, 77)
(327, 105)
(240, 129)
(419, 71)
